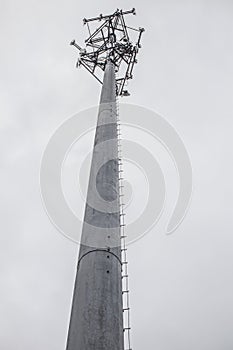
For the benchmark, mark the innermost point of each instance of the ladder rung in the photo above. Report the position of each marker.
(126, 309)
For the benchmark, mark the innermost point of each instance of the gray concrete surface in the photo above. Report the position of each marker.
(96, 318)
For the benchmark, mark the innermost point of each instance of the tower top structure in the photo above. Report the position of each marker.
(111, 40)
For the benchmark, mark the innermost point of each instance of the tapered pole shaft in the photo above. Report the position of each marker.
(96, 321)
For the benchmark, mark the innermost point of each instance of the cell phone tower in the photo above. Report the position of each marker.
(100, 307)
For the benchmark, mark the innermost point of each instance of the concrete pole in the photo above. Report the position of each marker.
(96, 321)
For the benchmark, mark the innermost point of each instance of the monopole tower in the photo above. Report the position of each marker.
(100, 307)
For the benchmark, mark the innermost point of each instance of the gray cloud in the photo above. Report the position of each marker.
(181, 287)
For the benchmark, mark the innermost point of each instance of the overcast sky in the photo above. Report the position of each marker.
(181, 285)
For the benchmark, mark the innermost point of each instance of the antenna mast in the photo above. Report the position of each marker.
(111, 40)
(101, 294)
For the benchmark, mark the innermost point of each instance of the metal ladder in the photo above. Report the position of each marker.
(125, 276)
